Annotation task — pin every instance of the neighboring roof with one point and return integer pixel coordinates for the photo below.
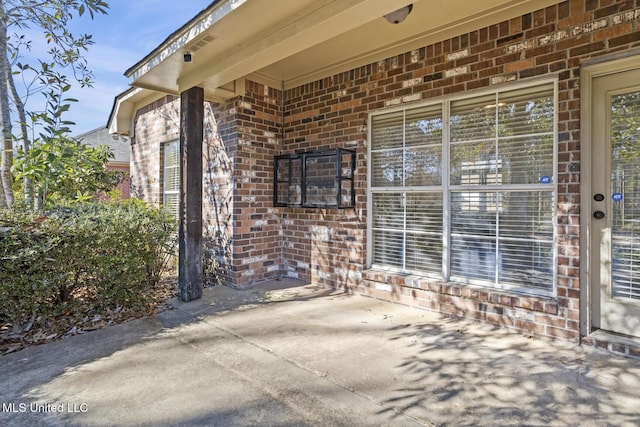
(100, 136)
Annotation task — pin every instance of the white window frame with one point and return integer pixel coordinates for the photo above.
(165, 167)
(448, 189)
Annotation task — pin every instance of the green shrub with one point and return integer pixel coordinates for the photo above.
(104, 254)
(28, 273)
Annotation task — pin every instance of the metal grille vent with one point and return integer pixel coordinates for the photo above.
(201, 42)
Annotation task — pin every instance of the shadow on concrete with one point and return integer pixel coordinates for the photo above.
(283, 353)
(24, 372)
(471, 379)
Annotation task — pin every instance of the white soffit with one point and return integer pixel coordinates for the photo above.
(298, 41)
(429, 22)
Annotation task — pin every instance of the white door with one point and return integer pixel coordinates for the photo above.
(615, 201)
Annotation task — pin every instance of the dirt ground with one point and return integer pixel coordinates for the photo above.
(84, 319)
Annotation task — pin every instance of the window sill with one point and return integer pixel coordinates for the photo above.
(391, 280)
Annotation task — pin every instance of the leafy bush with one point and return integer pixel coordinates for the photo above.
(63, 170)
(105, 254)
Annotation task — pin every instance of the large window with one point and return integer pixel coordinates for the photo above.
(464, 190)
(171, 177)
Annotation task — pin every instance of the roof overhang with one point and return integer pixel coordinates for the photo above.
(125, 106)
(292, 42)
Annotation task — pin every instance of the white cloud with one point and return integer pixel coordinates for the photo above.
(93, 106)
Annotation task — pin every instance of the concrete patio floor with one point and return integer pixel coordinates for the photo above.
(285, 354)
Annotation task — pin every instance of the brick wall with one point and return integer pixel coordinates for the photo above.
(329, 246)
(155, 124)
(158, 123)
(253, 241)
(124, 186)
(217, 186)
(251, 138)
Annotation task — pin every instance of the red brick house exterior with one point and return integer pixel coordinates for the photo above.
(252, 240)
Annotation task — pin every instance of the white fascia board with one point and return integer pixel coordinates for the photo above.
(182, 38)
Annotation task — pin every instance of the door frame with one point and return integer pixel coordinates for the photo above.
(589, 70)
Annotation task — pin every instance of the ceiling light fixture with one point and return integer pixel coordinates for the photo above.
(399, 15)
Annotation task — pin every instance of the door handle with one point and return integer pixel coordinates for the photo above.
(598, 214)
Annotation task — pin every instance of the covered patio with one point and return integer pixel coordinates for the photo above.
(431, 153)
(323, 358)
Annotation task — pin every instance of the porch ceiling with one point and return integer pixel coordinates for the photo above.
(298, 41)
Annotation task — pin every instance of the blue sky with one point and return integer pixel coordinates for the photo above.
(132, 29)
